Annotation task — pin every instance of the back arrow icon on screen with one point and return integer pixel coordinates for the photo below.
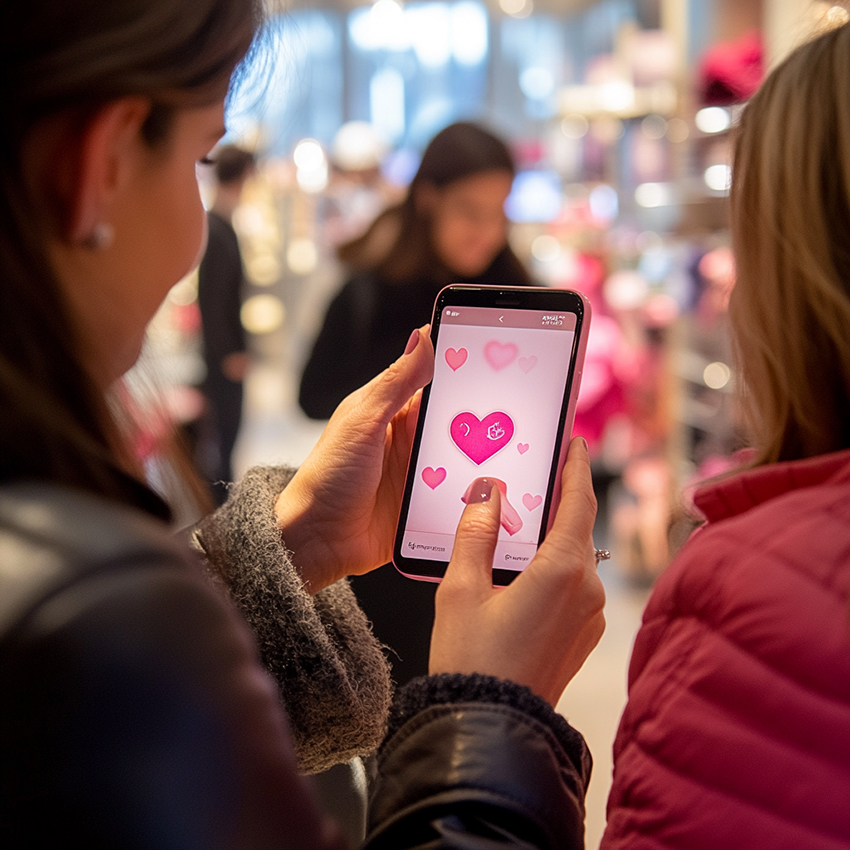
(501, 318)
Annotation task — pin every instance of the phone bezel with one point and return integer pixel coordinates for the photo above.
(510, 297)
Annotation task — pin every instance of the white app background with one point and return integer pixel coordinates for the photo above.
(520, 375)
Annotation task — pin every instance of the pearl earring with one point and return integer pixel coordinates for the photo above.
(101, 237)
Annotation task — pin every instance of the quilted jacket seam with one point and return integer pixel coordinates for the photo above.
(735, 798)
(711, 627)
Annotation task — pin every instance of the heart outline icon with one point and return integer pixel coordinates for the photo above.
(527, 363)
(531, 502)
(480, 439)
(456, 358)
(434, 477)
(499, 355)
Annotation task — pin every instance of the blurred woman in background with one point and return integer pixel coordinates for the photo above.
(450, 228)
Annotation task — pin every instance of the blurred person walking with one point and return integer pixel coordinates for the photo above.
(220, 293)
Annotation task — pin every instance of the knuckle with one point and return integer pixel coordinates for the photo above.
(583, 499)
(477, 527)
(596, 598)
(453, 590)
(392, 374)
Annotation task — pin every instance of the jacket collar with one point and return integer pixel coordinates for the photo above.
(735, 495)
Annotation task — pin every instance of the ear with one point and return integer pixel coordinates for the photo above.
(108, 151)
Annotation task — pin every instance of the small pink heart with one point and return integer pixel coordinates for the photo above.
(456, 358)
(433, 477)
(480, 439)
(522, 448)
(531, 502)
(527, 363)
(499, 355)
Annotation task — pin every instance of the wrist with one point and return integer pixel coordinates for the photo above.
(292, 512)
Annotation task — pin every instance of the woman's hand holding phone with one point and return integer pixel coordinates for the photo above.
(508, 366)
(539, 630)
(338, 514)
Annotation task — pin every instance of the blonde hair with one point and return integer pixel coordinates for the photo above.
(790, 205)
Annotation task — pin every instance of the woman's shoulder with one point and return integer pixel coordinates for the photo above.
(782, 524)
(117, 653)
(53, 537)
(740, 674)
(779, 525)
(764, 589)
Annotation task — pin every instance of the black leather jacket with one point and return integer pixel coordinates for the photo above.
(134, 713)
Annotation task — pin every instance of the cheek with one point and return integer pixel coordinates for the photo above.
(175, 245)
(497, 237)
(489, 229)
(193, 227)
(451, 236)
(476, 243)
(200, 239)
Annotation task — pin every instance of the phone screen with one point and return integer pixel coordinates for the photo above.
(496, 408)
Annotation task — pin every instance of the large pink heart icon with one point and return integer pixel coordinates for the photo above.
(499, 355)
(480, 439)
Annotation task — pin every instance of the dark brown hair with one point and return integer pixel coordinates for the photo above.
(397, 246)
(72, 57)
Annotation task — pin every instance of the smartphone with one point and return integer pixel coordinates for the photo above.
(501, 406)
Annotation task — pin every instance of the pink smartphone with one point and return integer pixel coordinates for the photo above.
(501, 406)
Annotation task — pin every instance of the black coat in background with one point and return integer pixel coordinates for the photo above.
(220, 285)
(367, 327)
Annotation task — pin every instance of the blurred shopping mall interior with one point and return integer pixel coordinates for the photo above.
(620, 115)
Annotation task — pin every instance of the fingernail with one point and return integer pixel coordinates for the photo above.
(480, 491)
(412, 342)
(584, 443)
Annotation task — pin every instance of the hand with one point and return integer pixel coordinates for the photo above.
(539, 630)
(339, 512)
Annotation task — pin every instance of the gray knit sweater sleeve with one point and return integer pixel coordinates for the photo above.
(331, 673)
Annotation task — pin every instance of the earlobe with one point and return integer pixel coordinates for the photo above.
(101, 237)
(107, 154)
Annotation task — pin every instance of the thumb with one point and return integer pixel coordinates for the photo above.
(572, 529)
(388, 392)
(471, 564)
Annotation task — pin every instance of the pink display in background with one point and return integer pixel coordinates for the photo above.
(503, 377)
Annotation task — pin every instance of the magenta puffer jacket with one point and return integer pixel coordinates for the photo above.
(737, 729)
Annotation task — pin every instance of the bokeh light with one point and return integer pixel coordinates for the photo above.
(262, 314)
